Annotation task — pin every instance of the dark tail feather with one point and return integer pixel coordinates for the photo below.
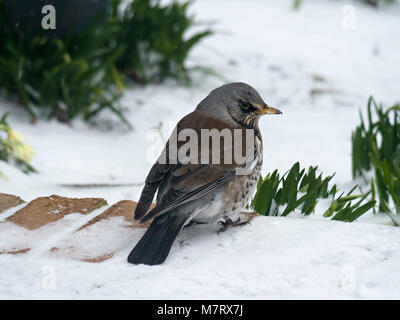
(154, 246)
(145, 200)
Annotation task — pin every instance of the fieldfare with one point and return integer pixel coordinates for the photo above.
(197, 181)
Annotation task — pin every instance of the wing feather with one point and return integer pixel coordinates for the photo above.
(179, 183)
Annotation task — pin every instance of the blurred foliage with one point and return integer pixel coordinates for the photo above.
(12, 148)
(81, 74)
(376, 145)
(60, 78)
(301, 190)
(376, 3)
(297, 4)
(156, 40)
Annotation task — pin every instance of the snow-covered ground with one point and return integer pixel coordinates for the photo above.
(309, 64)
(273, 258)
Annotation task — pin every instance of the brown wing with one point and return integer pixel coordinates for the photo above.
(181, 183)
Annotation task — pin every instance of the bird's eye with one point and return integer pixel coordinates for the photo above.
(246, 105)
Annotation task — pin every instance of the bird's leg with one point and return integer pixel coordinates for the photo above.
(228, 222)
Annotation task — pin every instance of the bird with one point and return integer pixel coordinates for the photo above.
(207, 190)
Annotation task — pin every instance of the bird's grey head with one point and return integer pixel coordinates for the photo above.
(238, 102)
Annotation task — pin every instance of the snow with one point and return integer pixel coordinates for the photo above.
(284, 54)
(272, 258)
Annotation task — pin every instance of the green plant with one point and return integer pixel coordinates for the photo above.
(12, 148)
(61, 78)
(301, 190)
(81, 74)
(376, 145)
(347, 211)
(155, 39)
(297, 4)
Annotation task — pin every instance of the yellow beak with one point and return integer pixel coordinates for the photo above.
(269, 110)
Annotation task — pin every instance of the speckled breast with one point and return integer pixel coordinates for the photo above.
(239, 191)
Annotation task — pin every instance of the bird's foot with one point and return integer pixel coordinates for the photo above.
(230, 223)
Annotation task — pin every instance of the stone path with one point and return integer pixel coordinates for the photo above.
(64, 226)
(84, 229)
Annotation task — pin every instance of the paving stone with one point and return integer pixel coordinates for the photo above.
(87, 243)
(20, 251)
(44, 210)
(123, 208)
(8, 201)
(99, 259)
